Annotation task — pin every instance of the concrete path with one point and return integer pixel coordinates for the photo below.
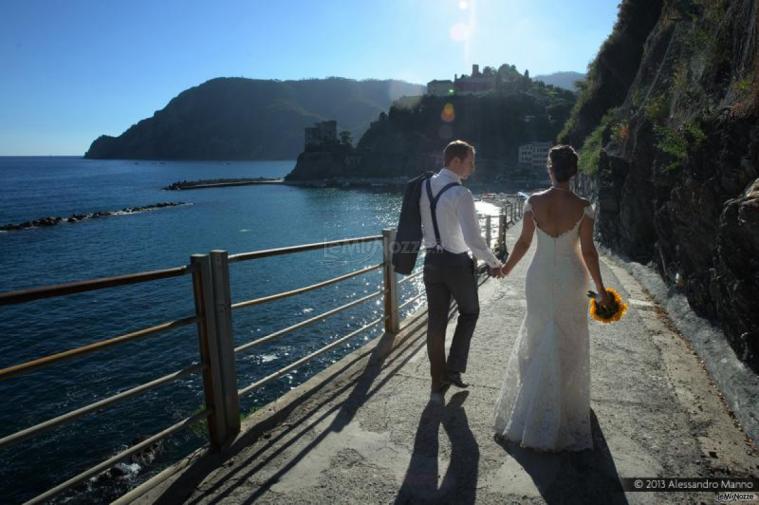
(363, 432)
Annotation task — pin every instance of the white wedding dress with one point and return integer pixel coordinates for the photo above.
(544, 401)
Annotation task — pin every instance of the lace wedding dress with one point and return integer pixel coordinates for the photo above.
(544, 402)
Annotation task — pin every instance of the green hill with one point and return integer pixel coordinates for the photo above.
(410, 137)
(236, 118)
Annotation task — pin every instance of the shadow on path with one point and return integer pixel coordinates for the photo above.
(459, 485)
(362, 387)
(389, 356)
(581, 477)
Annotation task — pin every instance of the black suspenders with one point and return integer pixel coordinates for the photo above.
(433, 207)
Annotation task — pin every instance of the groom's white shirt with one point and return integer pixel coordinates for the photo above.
(456, 219)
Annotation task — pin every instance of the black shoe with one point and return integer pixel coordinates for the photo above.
(455, 379)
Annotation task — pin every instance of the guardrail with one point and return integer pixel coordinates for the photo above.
(213, 318)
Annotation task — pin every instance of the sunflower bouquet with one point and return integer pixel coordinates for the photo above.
(607, 314)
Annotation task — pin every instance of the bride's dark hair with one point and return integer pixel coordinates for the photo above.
(562, 161)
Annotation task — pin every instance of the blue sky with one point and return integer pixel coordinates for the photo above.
(72, 70)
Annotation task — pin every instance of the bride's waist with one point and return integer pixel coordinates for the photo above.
(568, 257)
(569, 261)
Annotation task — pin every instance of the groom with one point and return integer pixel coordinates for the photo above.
(450, 230)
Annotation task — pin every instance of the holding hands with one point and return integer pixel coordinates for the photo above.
(495, 272)
(499, 272)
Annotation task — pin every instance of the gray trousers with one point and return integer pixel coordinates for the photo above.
(442, 283)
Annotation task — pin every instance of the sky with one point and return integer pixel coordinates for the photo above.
(72, 70)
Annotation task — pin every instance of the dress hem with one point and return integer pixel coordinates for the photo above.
(567, 448)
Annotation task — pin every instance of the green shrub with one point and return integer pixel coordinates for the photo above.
(586, 89)
(637, 97)
(743, 85)
(680, 78)
(590, 152)
(672, 143)
(694, 134)
(657, 109)
(713, 10)
(676, 143)
(620, 131)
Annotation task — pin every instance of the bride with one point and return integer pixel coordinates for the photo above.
(544, 402)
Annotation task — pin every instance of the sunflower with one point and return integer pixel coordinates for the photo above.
(609, 314)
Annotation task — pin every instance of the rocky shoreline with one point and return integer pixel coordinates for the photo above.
(75, 218)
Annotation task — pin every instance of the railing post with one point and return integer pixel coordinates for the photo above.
(214, 342)
(392, 320)
(226, 341)
(488, 234)
(502, 230)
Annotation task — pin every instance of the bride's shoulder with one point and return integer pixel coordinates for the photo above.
(584, 202)
(587, 207)
(537, 196)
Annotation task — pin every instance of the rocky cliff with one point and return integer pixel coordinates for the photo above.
(241, 119)
(669, 127)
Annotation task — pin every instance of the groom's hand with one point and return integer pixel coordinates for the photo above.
(495, 272)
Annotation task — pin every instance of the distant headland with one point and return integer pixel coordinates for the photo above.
(250, 119)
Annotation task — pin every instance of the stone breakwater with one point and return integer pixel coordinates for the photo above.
(215, 183)
(75, 218)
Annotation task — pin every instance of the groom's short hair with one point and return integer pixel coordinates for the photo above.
(456, 149)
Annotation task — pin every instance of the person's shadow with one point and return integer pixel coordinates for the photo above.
(459, 485)
(588, 476)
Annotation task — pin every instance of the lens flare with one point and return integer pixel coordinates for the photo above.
(460, 32)
(448, 114)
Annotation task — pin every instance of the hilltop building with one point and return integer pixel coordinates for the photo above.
(324, 132)
(477, 83)
(440, 88)
(534, 154)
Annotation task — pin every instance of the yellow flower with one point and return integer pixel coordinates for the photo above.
(609, 314)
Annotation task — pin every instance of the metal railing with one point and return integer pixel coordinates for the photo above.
(213, 318)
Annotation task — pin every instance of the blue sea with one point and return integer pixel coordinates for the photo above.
(235, 219)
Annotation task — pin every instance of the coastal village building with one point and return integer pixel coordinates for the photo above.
(534, 154)
(324, 132)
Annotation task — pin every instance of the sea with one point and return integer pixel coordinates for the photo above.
(234, 219)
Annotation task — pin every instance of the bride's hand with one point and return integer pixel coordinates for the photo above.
(604, 299)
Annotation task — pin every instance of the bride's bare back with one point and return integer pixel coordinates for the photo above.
(557, 211)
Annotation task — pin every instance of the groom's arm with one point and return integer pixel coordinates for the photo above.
(470, 226)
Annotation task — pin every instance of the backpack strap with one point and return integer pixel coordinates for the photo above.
(433, 208)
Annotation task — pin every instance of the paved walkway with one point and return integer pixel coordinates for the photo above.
(369, 436)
